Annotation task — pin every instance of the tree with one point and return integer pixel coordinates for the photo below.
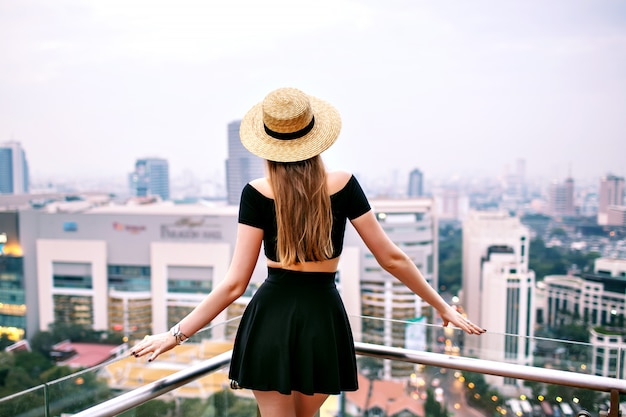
(42, 342)
(545, 260)
(33, 363)
(5, 341)
(432, 407)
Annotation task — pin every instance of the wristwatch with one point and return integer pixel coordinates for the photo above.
(180, 336)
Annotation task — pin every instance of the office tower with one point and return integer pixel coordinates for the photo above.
(561, 198)
(611, 194)
(13, 169)
(498, 287)
(241, 165)
(416, 183)
(150, 178)
(133, 270)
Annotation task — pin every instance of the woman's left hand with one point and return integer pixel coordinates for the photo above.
(155, 344)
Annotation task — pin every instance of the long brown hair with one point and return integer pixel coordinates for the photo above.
(303, 214)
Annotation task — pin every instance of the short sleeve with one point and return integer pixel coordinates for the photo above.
(250, 212)
(356, 201)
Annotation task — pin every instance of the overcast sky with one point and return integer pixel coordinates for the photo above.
(450, 87)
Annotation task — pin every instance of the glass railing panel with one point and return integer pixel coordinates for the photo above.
(506, 393)
(30, 403)
(77, 391)
(540, 351)
(434, 391)
(70, 391)
(209, 395)
(224, 402)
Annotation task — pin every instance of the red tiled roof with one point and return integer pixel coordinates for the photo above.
(389, 396)
(406, 403)
(87, 354)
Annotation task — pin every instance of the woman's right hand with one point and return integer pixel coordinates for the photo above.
(452, 315)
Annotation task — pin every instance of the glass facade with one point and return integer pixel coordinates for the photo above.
(129, 277)
(130, 303)
(130, 315)
(12, 303)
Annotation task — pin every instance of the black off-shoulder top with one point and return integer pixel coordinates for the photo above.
(258, 211)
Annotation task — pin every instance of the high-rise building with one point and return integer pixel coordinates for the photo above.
(498, 287)
(241, 165)
(561, 198)
(514, 187)
(416, 183)
(13, 169)
(151, 177)
(611, 194)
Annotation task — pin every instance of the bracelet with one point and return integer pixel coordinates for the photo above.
(180, 336)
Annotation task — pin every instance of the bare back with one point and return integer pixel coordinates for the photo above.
(336, 180)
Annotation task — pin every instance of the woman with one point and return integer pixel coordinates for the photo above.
(294, 346)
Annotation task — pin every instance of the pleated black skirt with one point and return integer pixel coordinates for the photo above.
(295, 336)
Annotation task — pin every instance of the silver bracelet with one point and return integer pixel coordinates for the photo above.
(180, 336)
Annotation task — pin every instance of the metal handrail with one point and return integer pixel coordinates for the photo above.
(483, 366)
(157, 388)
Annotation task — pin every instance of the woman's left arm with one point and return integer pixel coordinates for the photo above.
(234, 284)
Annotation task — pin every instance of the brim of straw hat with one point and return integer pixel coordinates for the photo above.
(324, 133)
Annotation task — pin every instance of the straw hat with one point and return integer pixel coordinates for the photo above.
(289, 126)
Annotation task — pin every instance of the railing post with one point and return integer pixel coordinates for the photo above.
(46, 395)
(614, 410)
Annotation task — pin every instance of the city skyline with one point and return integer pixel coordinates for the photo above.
(90, 86)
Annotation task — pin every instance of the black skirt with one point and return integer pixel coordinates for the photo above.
(295, 336)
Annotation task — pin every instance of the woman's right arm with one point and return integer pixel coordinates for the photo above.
(393, 260)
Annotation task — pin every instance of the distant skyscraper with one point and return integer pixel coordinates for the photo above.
(611, 194)
(151, 177)
(241, 165)
(498, 286)
(513, 183)
(416, 183)
(561, 198)
(13, 169)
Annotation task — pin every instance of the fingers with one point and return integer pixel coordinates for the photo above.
(472, 328)
(464, 324)
(146, 346)
(154, 345)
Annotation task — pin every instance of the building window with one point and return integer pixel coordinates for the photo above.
(73, 309)
(189, 280)
(72, 275)
(130, 278)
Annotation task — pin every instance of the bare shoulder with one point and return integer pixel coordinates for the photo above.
(337, 180)
(262, 185)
